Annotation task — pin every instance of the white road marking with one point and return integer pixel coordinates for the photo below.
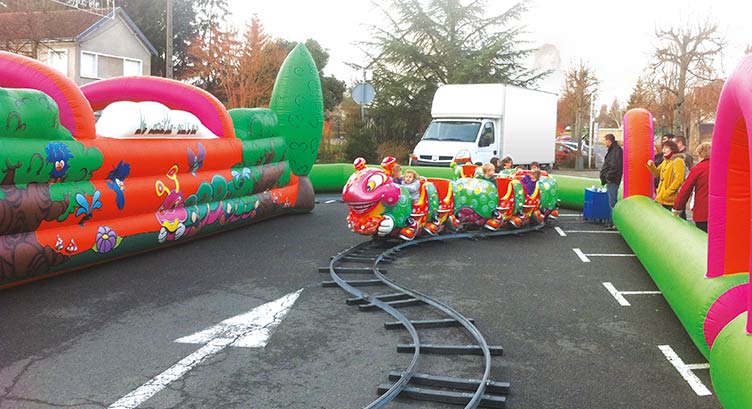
(585, 257)
(593, 231)
(581, 255)
(685, 370)
(560, 231)
(250, 330)
(569, 215)
(619, 295)
(330, 201)
(610, 255)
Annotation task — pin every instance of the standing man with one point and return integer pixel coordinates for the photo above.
(611, 172)
(681, 142)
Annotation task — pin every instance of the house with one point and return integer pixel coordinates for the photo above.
(84, 46)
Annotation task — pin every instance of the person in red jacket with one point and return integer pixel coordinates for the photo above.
(697, 181)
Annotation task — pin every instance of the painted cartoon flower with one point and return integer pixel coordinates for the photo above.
(106, 240)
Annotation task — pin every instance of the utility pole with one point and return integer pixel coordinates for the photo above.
(168, 47)
(363, 98)
(593, 129)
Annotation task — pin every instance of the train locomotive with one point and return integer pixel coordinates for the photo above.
(381, 207)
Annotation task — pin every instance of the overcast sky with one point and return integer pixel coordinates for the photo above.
(614, 38)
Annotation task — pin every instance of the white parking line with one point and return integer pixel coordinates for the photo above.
(685, 370)
(585, 257)
(581, 255)
(619, 295)
(330, 201)
(593, 231)
(560, 231)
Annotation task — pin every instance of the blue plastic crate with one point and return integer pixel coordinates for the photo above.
(596, 208)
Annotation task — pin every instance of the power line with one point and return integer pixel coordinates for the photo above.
(87, 6)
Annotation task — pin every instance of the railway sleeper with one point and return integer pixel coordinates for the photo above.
(396, 304)
(422, 324)
(383, 297)
(350, 270)
(450, 349)
(354, 283)
(448, 382)
(443, 396)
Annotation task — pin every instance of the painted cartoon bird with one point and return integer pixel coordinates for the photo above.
(116, 181)
(59, 155)
(196, 160)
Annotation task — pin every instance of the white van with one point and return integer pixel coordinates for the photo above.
(476, 122)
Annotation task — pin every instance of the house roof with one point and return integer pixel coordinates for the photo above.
(61, 25)
(128, 21)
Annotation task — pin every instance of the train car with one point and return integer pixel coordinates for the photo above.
(165, 162)
(381, 207)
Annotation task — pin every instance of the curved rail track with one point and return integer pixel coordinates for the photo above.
(473, 393)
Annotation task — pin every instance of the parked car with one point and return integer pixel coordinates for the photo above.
(567, 148)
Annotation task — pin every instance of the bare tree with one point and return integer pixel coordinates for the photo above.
(579, 88)
(685, 59)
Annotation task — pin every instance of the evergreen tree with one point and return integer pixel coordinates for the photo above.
(438, 42)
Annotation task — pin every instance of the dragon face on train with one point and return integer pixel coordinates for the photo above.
(368, 193)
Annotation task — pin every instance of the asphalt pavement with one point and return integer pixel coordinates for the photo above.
(88, 338)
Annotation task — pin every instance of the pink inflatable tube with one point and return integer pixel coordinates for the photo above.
(729, 198)
(75, 113)
(174, 94)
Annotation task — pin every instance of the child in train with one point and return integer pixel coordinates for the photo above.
(397, 174)
(412, 184)
(487, 171)
(530, 180)
(507, 167)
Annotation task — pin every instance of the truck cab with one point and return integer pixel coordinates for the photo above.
(445, 139)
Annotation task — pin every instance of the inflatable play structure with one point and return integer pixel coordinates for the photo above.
(704, 277)
(379, 206)
(166, 162)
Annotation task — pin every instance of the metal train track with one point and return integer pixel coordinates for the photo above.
(473, 393)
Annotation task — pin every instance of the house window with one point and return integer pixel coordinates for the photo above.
(88, 65)
(132, 67)
(96, 65)
(108, 67)
(58, 59)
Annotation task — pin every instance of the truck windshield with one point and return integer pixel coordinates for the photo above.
(452, 131)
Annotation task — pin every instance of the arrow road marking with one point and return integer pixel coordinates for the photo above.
(250, 330)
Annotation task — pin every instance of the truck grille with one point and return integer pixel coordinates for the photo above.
(428, 157)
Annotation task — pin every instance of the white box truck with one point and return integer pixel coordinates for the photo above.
(480, 121)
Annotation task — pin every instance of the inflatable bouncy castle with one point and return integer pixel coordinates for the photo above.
(704, 277)
(165, 162)
(381, 207)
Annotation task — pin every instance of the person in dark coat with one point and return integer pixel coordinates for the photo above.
(698, 180)
(611, 172)
(681, 142)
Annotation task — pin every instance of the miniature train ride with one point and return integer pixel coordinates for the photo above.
(379, 206)
(170, 164)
